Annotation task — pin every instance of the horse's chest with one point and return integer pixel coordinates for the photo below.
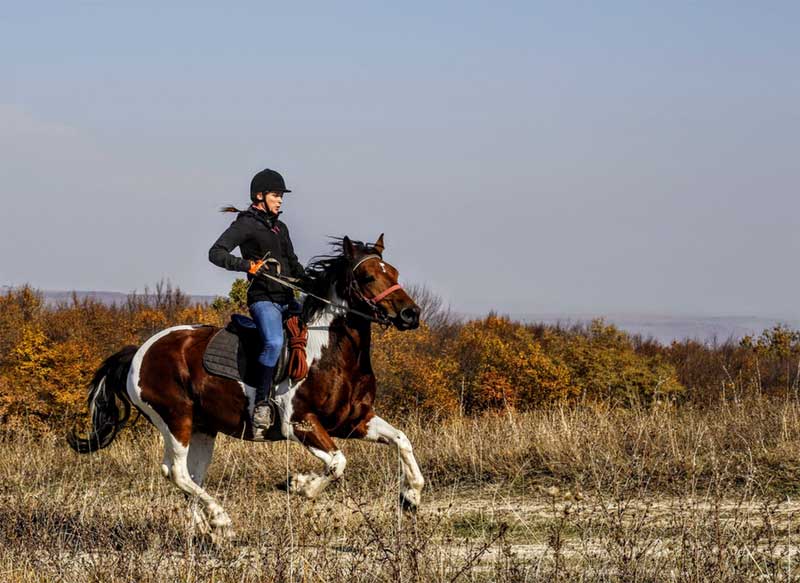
(328, 394)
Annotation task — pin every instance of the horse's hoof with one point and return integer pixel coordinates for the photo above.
(222, 535)
(221, 526)
(409, 500)
(306, 485)
(296, 483)
(199, 521)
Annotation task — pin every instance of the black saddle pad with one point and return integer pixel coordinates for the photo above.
(233, 353)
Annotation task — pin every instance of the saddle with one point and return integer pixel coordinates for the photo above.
(233, 352)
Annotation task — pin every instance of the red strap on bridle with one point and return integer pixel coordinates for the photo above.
(385, 293)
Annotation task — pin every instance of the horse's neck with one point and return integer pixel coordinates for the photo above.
(346, 332)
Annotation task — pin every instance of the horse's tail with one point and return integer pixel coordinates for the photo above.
(108, 385)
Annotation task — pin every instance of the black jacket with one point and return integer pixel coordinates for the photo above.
(255, 232)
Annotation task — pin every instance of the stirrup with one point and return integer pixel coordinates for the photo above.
(262, 416)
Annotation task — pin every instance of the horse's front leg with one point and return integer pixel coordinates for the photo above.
(310, 433)
(381, 431)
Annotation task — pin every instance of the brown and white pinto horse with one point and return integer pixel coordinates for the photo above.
(165, 379)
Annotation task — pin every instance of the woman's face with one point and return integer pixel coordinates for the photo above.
(274, 200)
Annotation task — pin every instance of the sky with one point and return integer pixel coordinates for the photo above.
(531, 157)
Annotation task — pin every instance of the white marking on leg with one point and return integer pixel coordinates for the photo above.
(335, 468)
(311, 485)
(179, 475)
(382, 431)
(201, 449)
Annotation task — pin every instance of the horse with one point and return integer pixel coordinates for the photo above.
(165, 380)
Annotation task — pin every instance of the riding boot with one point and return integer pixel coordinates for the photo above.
(262, 412)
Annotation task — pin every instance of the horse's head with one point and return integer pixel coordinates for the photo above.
(374, 282)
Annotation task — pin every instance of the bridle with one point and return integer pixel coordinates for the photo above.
(372, 302)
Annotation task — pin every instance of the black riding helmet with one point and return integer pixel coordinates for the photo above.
(267, 181)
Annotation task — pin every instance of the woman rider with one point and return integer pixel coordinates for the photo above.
(257, 231)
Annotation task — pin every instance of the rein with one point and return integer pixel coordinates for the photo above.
(372, 302)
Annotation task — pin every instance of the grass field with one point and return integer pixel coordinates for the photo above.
(587, 493)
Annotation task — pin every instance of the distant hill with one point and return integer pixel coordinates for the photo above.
(52, 298)
(665, 328)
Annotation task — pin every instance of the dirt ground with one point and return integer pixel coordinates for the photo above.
(486, 516)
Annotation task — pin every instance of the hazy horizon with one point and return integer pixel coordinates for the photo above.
(520, 315)
(662, 327)
(523, 158)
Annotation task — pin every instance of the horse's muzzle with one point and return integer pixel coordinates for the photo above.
(409, 318)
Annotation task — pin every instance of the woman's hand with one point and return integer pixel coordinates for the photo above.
(255, 267)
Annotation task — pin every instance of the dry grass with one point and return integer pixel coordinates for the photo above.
(590, 494)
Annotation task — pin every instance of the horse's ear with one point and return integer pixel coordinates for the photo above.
(379, 244)
(347, 247)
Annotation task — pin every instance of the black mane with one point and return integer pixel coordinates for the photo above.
(324, 271)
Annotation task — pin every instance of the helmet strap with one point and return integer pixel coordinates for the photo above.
(258, 203)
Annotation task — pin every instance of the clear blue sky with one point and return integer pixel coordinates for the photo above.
(525, 157)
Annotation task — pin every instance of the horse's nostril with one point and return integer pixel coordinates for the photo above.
(409, 315)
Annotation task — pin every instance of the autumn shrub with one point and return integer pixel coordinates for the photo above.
(766, 364)
(23, 392)
(413, 377)
(775, 358)
(235, 302)
(446, 367)
(49, 354)
(605, 365)
(17, 308)
(502, 365)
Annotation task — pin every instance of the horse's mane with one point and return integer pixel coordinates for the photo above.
(324, 271)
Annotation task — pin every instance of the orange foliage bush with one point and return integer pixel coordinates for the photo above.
(605, 364)
(504, 366)
(412, 377)
(48, 355)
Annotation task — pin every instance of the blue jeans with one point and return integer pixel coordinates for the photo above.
(268, 317)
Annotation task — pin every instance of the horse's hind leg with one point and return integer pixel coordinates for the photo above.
(310, 433)
(381, 431)
(160, 387)
(176, 468)
(201, 448)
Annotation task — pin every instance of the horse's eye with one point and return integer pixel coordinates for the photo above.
(366, 279)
